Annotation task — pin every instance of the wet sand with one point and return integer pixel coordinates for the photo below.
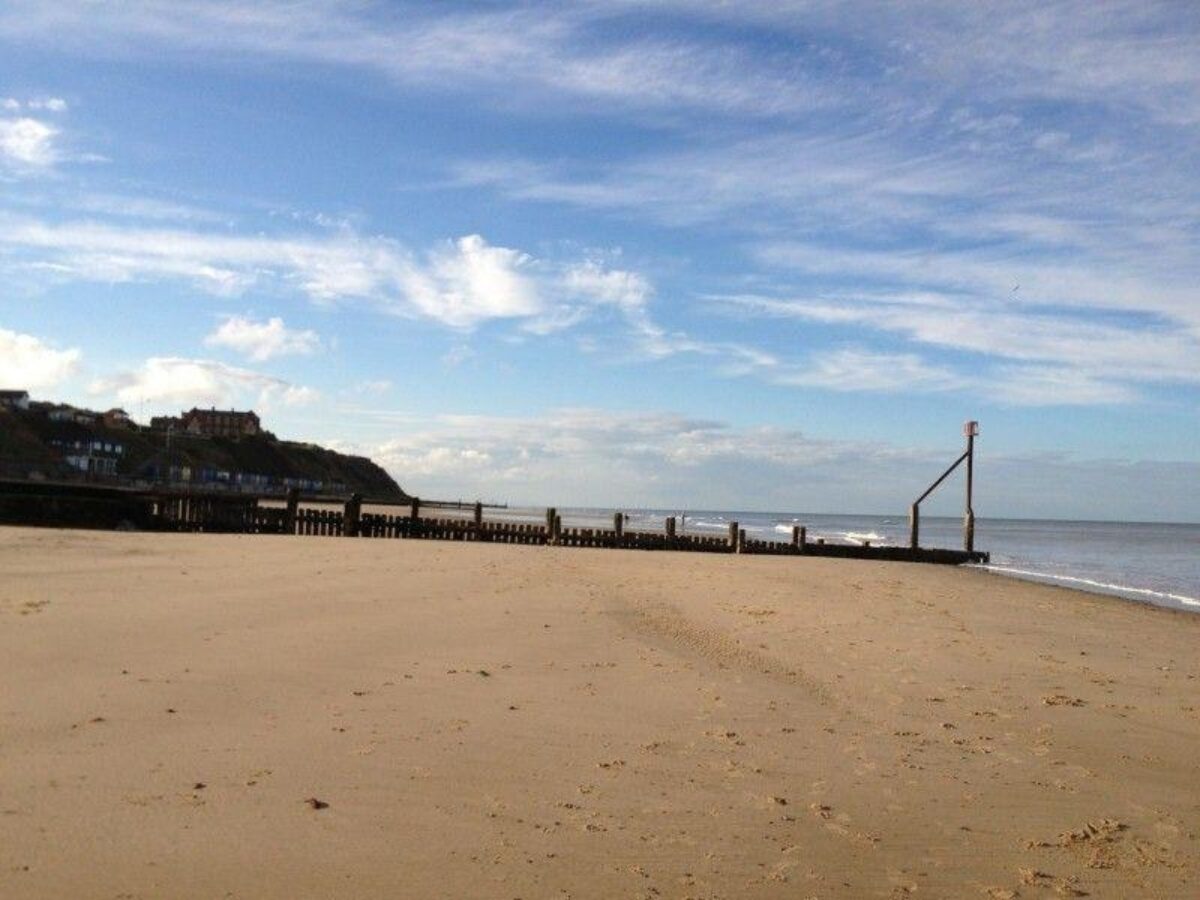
(272, 717)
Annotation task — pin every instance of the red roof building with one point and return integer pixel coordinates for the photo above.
(221, 423)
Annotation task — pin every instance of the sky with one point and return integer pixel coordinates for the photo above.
(685, 254)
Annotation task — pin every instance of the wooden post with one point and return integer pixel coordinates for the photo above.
(415, 512)
(350, 515)
(914, 526)
(803, 537)
(741, 540)
(478, 515)
(796, 536)
(293, 506)
(619, 526)
(556, 532)
(670, 528)
(733, 537)
(551, 512)
(972, 428)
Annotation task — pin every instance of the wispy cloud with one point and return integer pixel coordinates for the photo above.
(464, 283)
(516, 55)
(374, 387)
(1015, 185)
(855, 369)
(1142, 351)
(48, 104)
(1123, 54)
(460, 283)
(260, 341)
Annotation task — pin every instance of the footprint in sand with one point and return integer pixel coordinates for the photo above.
(1064, 887)
(1062, 700)
(33, 606)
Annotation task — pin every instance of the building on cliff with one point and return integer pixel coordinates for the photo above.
(221, 423)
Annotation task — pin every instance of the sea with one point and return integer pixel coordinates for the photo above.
(1145, 562)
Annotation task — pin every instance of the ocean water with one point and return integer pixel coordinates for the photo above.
(1145, 562)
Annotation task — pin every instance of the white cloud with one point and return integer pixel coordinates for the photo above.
(471, 281)
(27, 143)
(260, 341)
(622, 289)
(924, 160)
(582, 290)
(169, 382)
(615, 459)
(293, 395)
(643, 457)
(460, 284)
(27, 362)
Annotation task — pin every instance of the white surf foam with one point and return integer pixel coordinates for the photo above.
(1161, 597)
(861, 537)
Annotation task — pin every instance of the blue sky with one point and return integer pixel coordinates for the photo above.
(677, 253)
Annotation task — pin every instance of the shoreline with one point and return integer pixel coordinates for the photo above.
(1127, 593)
(504, 721)
(774, 528)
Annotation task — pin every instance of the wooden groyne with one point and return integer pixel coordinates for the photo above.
(32, 503)
(351, 521)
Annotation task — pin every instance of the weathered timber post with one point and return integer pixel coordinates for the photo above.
(741, 540)
(619, 526)
(803, 537)
(970, 429)
(351, 515)
(478, 515)
(556, 532)
(733, 537)
(293, 506)
(414, 511)
(551, 512)
(796, 536)
(670, 530)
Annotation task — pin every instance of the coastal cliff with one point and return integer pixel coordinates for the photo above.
(41, 442)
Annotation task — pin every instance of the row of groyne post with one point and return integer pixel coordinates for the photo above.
(417, 523)
(164, 508)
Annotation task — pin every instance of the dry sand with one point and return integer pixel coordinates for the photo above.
(501, 721)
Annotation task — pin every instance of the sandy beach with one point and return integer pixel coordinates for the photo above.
(281, 717)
